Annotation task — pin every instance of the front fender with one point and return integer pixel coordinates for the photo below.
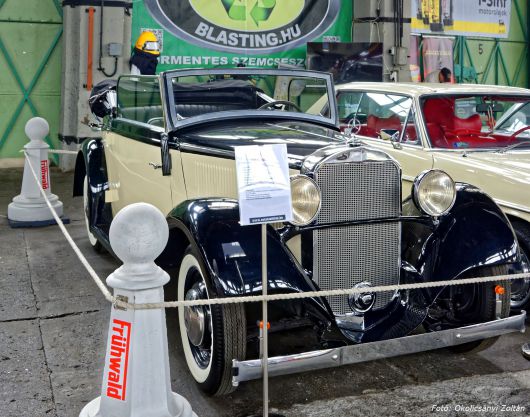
(91, 163)
(474, 233)
(231, 253)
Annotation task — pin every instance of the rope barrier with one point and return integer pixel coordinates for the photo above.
(62, 151)
(106, 293)
(57, 151)
(256, 298)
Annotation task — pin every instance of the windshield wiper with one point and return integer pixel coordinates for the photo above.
(515, 145)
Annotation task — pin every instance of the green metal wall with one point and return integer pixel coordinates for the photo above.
(30, 69)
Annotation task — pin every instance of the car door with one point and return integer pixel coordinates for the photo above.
(208, 172)
(134, 147)
(388, 122)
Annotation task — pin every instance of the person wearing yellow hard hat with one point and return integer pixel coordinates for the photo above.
(144, 58)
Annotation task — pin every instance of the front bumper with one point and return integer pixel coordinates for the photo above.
(364, 352)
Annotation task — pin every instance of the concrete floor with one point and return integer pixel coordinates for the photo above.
(53, 324)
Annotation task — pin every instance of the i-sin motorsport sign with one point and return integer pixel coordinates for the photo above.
(264, 33)
(490, 18)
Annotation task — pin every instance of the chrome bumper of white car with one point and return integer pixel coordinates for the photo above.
(364, 352)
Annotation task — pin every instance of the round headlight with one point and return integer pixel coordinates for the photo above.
(434, 192)
(305, 196)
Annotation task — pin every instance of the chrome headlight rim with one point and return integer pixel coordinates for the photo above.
(416, 189)
(317, 212)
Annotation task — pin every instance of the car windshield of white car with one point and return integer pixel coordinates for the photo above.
(477, 121)
(377, 115)
(257, 93)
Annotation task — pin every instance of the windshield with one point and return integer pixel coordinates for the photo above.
(377, 115)
(477, 121)
(195, 95)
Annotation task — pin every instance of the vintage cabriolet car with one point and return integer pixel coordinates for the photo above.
(170, 142)
(477, 134)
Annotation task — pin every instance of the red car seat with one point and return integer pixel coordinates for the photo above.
(470, 126)
(439, 117)
(375, 124)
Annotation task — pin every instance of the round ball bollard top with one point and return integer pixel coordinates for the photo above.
(138, 234)
(37, 128)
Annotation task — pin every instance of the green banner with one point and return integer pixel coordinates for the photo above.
(227, 33)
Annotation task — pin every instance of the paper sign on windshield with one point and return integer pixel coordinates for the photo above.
(263, 184)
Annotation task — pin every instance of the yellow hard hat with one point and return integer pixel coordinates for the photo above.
(148, 42)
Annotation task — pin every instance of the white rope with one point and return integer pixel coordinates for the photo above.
(58, 151)
(314, 294)
(257, 298)
(108, 296)
(63, 151)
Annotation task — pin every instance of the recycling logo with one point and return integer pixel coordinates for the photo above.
(260, 12)
(249, 26)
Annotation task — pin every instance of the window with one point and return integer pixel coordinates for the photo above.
(377, 115)
(263, 92)
(139, 100)
(348, 104)
(477, 121)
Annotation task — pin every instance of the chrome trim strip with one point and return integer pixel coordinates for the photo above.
(189, 147)
(512, 205)
(364, 352)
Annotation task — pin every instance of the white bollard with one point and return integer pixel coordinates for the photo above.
(29, 207)
(136, 380)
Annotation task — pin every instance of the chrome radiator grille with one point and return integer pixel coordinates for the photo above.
(345, 256)
(358, 191)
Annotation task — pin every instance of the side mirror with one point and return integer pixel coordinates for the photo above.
(392, 135)
(166, 157)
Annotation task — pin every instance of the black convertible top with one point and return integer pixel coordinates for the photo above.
(230, 91)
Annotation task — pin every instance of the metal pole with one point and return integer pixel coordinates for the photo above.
(265, 341)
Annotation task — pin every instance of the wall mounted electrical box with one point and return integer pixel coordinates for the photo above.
(114, 49)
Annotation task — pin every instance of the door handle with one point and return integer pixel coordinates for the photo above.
(155, 166)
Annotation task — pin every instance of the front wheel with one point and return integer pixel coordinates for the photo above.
(94, 242)
(212, 336)
(520, 299)
(475, 303)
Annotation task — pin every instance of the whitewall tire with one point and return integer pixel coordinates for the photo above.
(212, 336)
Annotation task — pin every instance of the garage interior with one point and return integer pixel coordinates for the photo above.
(54, 320)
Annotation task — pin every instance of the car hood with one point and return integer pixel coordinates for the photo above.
(504, 176)
(516, 163)
(302, 139)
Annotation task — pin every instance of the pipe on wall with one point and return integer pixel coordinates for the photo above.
(90, 48)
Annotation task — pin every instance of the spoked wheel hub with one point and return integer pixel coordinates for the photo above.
(196, 317)
(197, 320)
